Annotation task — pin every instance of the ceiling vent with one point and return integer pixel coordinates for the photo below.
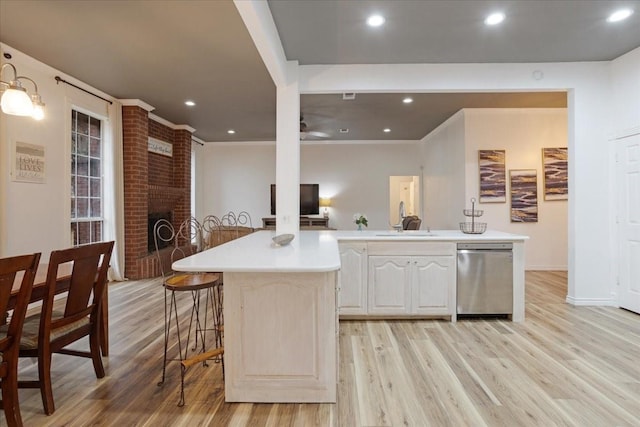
(343, 130)
(348, 96)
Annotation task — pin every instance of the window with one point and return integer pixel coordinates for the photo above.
(86, 179)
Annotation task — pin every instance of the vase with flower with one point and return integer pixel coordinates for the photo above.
(360, 220)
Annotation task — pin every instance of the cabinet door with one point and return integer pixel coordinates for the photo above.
(433, 285)
(389, 285)
(352, 279)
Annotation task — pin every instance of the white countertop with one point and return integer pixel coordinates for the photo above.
(311, 251)
(423, 235)
(308, 252)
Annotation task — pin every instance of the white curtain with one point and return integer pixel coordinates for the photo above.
(114, 191)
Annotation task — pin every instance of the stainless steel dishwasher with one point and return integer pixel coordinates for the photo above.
(485, 278)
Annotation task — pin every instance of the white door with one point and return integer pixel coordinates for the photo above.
(628, 167)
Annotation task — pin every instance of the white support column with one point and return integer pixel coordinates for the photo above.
(288, 153)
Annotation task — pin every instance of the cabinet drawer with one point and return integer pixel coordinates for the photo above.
(403, 248)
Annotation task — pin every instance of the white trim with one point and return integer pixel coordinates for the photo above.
(547, 268)
(184, 127)
(609, 302)
(136, 103)
(196, 139)
(169, 124)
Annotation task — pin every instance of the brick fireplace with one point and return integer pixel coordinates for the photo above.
(153, 184)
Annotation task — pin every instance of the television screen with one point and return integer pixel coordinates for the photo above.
(309, 199)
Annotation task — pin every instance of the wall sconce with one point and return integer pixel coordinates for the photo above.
(325, 202)
(15, 98)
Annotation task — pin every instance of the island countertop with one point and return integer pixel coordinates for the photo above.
(308, 252)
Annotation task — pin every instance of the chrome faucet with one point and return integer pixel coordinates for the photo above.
(402, 214)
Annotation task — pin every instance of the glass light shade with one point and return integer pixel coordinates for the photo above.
(38, 112)
(38, 107)
(15, 101)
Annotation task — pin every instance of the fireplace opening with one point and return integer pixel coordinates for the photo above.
(152, 219)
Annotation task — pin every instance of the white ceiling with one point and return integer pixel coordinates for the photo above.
(165, 52)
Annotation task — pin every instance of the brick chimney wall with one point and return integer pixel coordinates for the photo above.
(152, 183)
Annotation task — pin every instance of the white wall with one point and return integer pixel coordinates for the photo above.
(354, 176)
(522, 133)
(625, 75)
(36, 217)
(235, 178)
(443, 153)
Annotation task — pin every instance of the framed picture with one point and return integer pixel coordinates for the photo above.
(556, 173)
(524, 195)
(28, 163)
(493, 181)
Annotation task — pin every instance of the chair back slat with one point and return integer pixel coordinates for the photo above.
(9, 267)
(10, 340)
(87, 282)
(85, 271)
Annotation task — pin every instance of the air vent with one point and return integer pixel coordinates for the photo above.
(348, 96)
(343, 130)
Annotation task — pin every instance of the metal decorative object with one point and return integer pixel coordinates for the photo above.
(473, 227)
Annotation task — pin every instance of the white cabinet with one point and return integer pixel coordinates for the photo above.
(433, 285)
(412, 279)
(389, 285)
(352, 278)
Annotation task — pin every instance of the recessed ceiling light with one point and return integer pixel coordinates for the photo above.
(620, 15)
(189, 103)
(387, 130)
(375, 20)
(494, 18)
(407, 100)
(231, 131)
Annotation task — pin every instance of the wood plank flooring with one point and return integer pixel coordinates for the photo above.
(564, 366)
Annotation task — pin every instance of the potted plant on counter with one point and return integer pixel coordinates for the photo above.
(360, 220)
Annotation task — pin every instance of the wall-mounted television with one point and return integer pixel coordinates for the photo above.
(309, 199)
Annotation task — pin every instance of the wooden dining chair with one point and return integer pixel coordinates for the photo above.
(79, 315)
(184, 241)
(10, 332)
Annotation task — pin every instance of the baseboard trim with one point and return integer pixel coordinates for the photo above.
(546, 268)
(591, 301)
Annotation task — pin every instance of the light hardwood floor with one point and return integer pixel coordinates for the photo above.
(565, 366)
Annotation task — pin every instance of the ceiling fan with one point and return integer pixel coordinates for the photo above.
(305, 132)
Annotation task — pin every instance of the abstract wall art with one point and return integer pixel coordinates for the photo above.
(524, 195)
(491, 164)
(556, 173)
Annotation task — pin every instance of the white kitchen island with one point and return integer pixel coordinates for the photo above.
(280, 316)
(280, 303)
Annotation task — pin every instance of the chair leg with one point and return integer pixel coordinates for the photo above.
(94, 346)
(10, 401)
(44, 376)
(167, 324)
